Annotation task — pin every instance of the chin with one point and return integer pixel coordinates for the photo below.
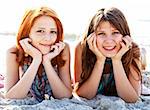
(44, 52)
(110, 55)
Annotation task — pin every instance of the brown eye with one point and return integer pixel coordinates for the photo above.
(117, 32)
(100, 33)
(53, 32)
(40, 31)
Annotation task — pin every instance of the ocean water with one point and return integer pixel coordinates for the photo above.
(7, 41)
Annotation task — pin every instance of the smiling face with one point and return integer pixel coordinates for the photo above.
(43, 33)
(108, 39)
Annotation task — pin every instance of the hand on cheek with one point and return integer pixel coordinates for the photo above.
(56, 49)
(91, 40)
(125, 45)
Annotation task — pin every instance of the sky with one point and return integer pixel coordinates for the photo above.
(74, 14)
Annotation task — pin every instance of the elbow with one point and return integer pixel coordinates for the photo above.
(69, 95)
(9, 95)
(66, 94)
(131, 99)
(86, 95)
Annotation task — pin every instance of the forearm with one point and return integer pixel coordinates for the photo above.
(124, 88)
(21, 88)
(59, 89)
(89, 88)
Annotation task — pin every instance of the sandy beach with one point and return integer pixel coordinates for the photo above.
(76, 103)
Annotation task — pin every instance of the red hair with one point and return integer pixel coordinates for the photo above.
(27, 22)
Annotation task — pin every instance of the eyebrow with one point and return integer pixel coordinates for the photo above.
(44, 28)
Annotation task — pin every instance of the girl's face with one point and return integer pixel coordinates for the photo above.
(43, 33)
(108, 39)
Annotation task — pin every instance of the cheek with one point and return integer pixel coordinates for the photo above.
(54, 38)
(118, 40)
(99, 43)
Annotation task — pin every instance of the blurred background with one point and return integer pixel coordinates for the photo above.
(75, 15)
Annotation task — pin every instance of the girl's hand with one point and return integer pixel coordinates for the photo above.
(55, 50)
(29, 49)
(91, 40)
(126, 44)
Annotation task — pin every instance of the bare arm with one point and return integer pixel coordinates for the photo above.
(77, 63)
(61, 82)
(128, 89)
(12, 83)
(89, 88)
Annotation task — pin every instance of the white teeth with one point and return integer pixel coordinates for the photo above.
(109, 48)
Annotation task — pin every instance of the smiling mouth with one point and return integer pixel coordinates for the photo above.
(47, 45)
(109, 48)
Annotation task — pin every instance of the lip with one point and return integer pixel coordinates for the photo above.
(109, 48)
(45, 44)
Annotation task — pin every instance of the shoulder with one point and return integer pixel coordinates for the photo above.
(78, 47)
(11, 53)
(67, 47)
(11, 56)
(66, 51)
(12, 50)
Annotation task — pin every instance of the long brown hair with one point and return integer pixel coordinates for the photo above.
(116, 18)
(27, 22)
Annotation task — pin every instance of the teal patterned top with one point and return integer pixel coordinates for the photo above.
(107, 84)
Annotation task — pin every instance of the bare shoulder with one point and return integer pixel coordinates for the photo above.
(78, 47)
(12, 50)
(67, 48)
(66, 51)
(11, 53)
(78, 61)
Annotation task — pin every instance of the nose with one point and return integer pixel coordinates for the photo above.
(47, 37)
(109, 39)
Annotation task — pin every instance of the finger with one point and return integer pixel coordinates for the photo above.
(90, 38)
(28, 44)
(90, 41)
(61, 46)
(53, 48)
(127, 43)
(27, 39)
(124, 48)
(94, 43)
(22, 45)
(129, 40)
